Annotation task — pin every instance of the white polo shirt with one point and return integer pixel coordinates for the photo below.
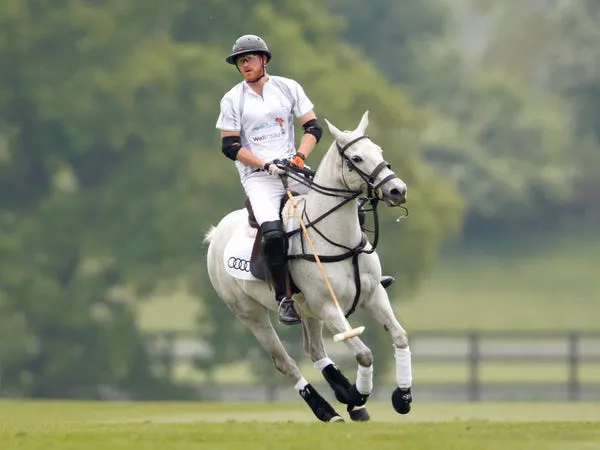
(266, 124)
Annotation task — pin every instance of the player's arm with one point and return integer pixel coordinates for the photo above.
(312, 135)
(232, 148)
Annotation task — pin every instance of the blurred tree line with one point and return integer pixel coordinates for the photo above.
(112, 170)
(512, 89)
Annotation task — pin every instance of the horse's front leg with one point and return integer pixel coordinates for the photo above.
(379, 306)
(337, 323)
(315, 348)
(256, 318)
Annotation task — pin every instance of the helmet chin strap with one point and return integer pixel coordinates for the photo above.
(258, 78)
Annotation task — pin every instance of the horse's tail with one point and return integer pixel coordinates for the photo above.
(209, 234)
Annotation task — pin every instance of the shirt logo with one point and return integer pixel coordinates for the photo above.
(268, 131)
(278, 122)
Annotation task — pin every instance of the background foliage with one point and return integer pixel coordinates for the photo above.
(111, 169)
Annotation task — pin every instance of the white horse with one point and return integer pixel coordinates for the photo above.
(352, 166)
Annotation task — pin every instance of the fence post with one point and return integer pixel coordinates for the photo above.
(271, 391)
(474, 357)
(573, 364)
(169, 354)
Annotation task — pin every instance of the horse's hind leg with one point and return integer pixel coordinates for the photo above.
(313, 345)
(380, 308)
(256, 318)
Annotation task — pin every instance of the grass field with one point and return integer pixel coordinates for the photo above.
(198, 426)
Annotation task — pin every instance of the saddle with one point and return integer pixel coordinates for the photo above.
(243, 256)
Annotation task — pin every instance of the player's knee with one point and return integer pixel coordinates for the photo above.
(274, 242)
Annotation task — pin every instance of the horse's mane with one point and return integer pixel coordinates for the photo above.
(332, 154)
(325, 161)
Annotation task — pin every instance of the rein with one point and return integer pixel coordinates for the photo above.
(372, 188)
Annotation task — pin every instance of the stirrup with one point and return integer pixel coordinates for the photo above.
(287, 312)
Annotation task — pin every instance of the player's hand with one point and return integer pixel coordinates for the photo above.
(274, 169)
(298, 160)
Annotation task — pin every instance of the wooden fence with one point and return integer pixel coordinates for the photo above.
(571, 350)
(576, 353)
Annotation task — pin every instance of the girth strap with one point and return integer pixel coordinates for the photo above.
(353, 253)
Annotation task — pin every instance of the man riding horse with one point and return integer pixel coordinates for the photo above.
(257, 129)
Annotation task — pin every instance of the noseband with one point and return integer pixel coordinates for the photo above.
(368, 178)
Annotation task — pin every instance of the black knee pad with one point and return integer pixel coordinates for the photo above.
(274, 243)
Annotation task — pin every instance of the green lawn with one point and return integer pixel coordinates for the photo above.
(548, 283)
(182, 426)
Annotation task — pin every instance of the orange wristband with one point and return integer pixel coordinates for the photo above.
(298, 161)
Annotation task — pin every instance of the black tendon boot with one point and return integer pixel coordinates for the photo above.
(386, 280)
(274, 248)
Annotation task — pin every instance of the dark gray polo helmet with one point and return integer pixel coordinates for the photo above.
(248, 43)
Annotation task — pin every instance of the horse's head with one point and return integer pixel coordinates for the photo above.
(363, 167)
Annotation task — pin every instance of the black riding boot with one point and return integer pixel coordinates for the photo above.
(287, 312)
(386, 280)
(274, 249)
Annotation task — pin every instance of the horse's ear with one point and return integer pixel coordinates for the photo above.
(364, 123)
(337, 134)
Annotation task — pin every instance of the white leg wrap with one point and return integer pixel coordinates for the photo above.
(364, 379)
(322, 363)
(403, 367)
(301, 384)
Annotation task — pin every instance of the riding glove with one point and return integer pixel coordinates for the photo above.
(273, 169)
(298, 160)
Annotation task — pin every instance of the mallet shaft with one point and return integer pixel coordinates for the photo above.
(350, 332)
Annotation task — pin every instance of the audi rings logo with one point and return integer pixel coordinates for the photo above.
(238, 264)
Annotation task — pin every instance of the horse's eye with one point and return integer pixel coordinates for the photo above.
(356, 159)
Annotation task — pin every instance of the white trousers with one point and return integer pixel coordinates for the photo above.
(265, 192)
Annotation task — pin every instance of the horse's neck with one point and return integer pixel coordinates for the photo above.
(341, 226)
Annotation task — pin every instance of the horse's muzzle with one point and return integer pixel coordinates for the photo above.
(396, 195)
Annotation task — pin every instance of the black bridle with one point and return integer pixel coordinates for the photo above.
(346, 194)
(368, 178)
(373, 196)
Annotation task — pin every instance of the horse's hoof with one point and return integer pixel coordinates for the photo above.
(359, 414)
(336, 419)
(401, 400)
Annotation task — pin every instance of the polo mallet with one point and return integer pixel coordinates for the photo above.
(350, 332)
